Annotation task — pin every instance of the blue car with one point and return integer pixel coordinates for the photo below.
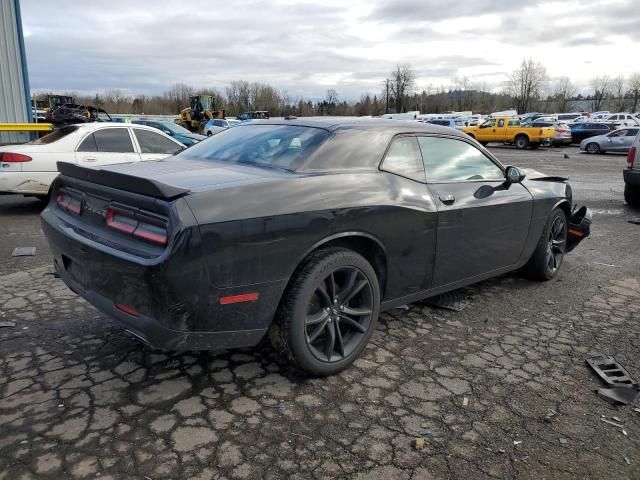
(181, 134)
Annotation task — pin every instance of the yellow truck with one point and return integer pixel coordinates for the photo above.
(509, 130)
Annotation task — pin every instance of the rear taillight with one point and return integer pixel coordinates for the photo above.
(69, 202)
(9, 157)
(140, 226)
(631, 157)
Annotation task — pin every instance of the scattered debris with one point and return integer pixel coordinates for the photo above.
(624, 432)
(549, 416)
(502, 450)
(403, 307)
(300, 435)
(636, 410)
(419, 443)
(517, 442)
(626, 460)
(7, 324)
(431, 366)
(282, 408)
(618, 396)
(563, 441)
(609, 422)
(623, 388)
(426, 433)
(635, 221)
(24, 252)
(465, 401)
(455, 301)
(616, 419)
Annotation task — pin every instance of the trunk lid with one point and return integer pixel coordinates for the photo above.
(171, 177)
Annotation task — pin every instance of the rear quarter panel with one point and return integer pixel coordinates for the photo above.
(262, 233)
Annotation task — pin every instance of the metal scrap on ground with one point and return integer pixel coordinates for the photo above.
(455, 301)
(23, 252)
(623, 389)
(7, 324)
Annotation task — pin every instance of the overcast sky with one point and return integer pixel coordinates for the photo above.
(307, 47)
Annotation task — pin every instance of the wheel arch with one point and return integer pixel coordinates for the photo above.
(365, 244)
(565, 206)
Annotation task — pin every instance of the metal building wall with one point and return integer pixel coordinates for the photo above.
(15, 102)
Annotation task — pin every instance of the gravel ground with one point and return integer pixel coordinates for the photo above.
(499, 390)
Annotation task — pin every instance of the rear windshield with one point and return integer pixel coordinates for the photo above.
(55, 135)
(277, 146)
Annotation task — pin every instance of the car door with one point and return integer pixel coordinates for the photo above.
(155, 145)
(629, 138)
(616, 141)
(482, 224)
(106, 146)
(486, 131)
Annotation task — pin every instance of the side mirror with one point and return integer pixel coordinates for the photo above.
(513, 175)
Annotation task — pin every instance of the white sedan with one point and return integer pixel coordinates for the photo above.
(30, 168)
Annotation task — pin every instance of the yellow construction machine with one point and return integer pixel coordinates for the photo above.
(196, 116)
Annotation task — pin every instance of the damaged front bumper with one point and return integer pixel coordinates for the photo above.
(579, 227)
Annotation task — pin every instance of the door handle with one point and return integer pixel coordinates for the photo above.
(447, 199)
(90, 159)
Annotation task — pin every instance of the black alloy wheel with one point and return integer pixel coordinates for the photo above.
(557, 243)
(328, 312)
(339, 314)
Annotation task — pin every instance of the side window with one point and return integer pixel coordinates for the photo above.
(151, 142)
(501, 123)
(513, 123)
(632, 132)
(403, 158)
(88, 145)
(114, 140)
(218, 123)
(450, 160)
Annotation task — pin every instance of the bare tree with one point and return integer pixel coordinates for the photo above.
(563, 92)
(633, 91)
(525, 84)
(618, 92)
(401, 83)
(601, 87)
(178, 96)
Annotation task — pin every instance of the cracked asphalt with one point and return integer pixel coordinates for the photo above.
(498, 390)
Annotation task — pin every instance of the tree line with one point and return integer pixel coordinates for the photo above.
(527, 88)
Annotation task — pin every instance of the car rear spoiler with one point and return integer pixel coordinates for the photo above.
(122, 181)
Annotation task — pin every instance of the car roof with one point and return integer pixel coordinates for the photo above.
(367, 124)
(93, 126)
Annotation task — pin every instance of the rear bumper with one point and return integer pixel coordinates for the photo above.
(175, 304)
(631, 177)
(26, 183)
(579, 227)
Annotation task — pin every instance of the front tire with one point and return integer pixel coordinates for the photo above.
(328, 313)
(547, 258)
(592, 148)
(632, 195)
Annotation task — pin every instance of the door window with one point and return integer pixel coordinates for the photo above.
(501, 123)
(513, 123)
(632, 132)
(403, 158)
(151, 142)
(88, 145)
(450, 160)
(114, 140)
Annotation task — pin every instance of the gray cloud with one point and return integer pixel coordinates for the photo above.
(303, 48)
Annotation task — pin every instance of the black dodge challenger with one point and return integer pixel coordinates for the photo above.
(305, 229)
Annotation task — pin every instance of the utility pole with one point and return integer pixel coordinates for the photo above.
(386, 110)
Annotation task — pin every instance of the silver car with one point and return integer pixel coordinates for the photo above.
(619, 140)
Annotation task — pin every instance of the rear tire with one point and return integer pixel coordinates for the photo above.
(547, 258)
(592, 148)
(632, 195)
(328, 313)
(521, 142)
